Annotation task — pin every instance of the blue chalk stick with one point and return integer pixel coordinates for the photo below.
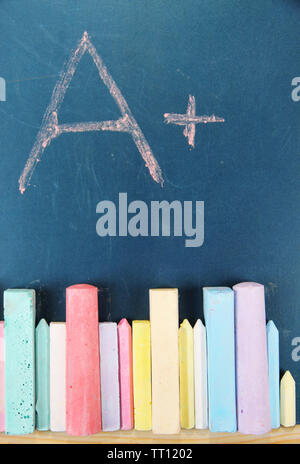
(219, 321)
(274, 376)
(19, 317)
(42, 375)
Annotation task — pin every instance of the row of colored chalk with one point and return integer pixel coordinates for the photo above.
(83, 377)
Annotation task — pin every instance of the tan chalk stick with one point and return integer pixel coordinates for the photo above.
(165, 360)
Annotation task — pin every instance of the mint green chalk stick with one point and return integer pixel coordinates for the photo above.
(19, 317)
(42, 375)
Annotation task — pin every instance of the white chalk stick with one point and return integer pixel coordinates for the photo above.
(58, 376)
(200, 373)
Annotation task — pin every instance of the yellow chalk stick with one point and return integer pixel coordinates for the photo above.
(186, 375)
(141, 374)
(287, 400)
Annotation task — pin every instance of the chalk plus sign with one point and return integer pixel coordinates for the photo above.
(189, 120)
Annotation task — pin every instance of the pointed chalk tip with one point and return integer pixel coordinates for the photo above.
(185, 324)
(271, 326)
(199, 324)
(287, 377)
(42, 323)
(123, 322)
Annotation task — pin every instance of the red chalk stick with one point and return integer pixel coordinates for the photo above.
(83, 360)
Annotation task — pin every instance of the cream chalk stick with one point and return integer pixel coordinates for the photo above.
(287, 400)
(165, 360)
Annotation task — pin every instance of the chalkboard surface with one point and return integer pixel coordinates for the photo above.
(194, 101)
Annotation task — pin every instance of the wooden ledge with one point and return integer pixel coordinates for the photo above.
(279, 436)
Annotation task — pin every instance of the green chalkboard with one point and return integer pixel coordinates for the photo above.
(113, 106)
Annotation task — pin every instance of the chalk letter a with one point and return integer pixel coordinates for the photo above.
(50, 129)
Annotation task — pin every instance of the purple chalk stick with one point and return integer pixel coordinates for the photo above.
(253, 402)
(109, 376)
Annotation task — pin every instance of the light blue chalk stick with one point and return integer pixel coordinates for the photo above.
(274, 377)
(218, 305)
(19, 317)
(42, 375)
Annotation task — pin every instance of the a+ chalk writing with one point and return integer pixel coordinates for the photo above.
(189, 120)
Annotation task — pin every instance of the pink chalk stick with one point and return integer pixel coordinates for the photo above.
(125, 374)
(83, 360)
(253, 402)
(2, 382)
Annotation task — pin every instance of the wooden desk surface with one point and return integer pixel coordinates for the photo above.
(280, 436)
